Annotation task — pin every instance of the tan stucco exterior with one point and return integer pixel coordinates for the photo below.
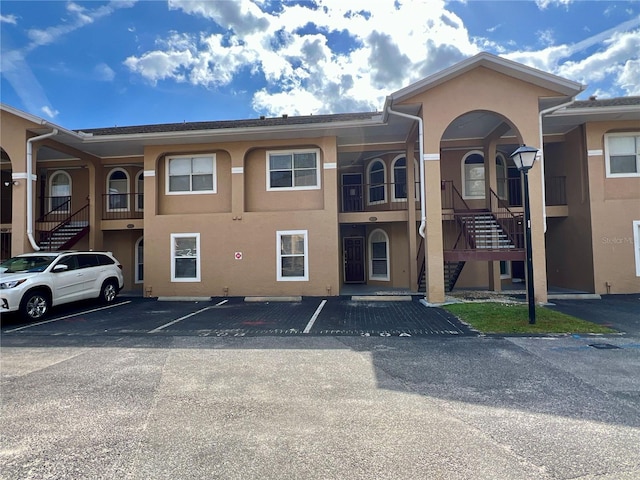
(588, 243)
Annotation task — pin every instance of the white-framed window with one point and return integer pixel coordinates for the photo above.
(292, 255)
(378, 255)
(377, 177)
(293, 170)
(139, 191)
(191, 174)
(636, 244)
(505, 269)
(473, 175)
(60, 192)
(118, 189)
(185, 257)
(501, 176)
(400, 179)
(622, 154)
(139, 254)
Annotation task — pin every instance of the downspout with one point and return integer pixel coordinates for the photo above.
(423, 219)
(30, 141)
(540, 115)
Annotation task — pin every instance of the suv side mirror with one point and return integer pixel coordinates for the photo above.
(60, 268)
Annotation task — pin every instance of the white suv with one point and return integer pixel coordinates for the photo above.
(34, 282)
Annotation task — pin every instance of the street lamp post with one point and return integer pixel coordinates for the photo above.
(524, 157)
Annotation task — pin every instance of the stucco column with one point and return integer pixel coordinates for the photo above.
(19, 240)
(96, 190)
(537, 233)
(434, 258)
(411, 216)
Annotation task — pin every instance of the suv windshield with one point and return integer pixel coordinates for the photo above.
(26, 264)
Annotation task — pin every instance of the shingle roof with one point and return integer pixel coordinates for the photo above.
(606, 102)
(229, 124)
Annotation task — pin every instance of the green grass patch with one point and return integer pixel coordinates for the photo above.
(490, 317)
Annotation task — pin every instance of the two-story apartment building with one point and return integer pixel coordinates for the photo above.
(422, 195)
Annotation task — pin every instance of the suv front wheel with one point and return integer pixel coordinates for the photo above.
(35, 305)
(109, 291)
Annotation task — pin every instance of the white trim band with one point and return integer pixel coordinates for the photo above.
(594, 153)
(330, 166)
(431, 156)
(237, 169)
(149, 173)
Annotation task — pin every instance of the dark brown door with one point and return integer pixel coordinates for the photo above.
(354, 260)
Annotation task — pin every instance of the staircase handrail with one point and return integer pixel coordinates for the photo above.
(503, 211)
(63, 207)
(47, 235)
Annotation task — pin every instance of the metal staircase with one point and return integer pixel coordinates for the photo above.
(484, 231)
(66, 233)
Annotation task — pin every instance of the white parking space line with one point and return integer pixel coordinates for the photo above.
(173, 322)
(307, 329)
(67, 316)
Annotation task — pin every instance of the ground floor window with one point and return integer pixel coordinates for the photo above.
(505, 269)
(185, 257)
(292, 256)
(378, 255)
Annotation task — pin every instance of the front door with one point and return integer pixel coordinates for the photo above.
(353, 260)
(352, 192)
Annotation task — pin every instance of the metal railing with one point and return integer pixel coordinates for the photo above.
(119, 206)
(77, 224)
(555, 189)
(366, 197)
(54, 209)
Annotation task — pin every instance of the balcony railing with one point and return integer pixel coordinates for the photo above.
(376, 197)
(122, 206)
(54, 209)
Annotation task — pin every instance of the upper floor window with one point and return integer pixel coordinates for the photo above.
(191, 174)
(118, 188)
(400, 179)
(60, 192)
(377, 188)
(293, 170)
(622, 154)
(473, 175)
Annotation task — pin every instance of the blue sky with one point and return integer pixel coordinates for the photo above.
(88, 64)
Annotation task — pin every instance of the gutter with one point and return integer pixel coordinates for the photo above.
(423, 219)
(30, 141)
(541, 139)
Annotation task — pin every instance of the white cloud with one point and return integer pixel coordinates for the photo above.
(12, 19)
(49, 112)
(337, 57)
(544, 4)
(628, 78)
(104, 72)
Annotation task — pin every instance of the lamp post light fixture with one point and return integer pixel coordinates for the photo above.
(524, 157)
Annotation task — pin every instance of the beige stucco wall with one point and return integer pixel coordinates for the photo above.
(251, 233)
(480, 89)
(614, 205)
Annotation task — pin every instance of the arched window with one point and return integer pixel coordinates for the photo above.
(60, 192)
(140, 260)
(140, 191)
(400, 179)
(377, 177)
(118, 188)
(378, 255)
(473, 175)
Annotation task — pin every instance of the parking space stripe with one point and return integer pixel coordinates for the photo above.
(67, 316)
(173, 322)
(307, 329)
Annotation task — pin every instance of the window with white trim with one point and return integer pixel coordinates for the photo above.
(60, 192)
(636, 244)
(473, 175)
(185, 257)
(622, 154)
(292, 256)
(293, 170)
(139, 191)
(188, 174)
(377, 176)
(378, 255)
(118, 188)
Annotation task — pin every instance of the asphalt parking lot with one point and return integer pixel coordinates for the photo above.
(236, 317)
